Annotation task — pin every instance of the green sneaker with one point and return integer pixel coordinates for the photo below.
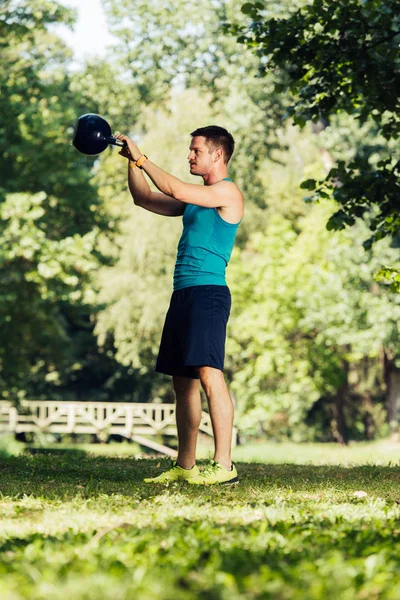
(216, 473)
(175, 473)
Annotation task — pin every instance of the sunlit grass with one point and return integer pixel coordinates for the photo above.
(382, 452)
(86, 527)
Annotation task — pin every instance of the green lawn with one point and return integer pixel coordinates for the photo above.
(377, 453)
(80, 526)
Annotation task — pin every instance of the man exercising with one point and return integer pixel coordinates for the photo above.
(193, 340)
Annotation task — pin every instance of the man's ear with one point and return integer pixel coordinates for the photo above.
(217, 154)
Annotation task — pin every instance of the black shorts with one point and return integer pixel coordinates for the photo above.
(195, 330)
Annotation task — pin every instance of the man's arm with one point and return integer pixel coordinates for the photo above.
(142, 195)
(218, 195)
(223, 194)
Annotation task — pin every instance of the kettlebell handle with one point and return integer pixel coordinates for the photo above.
(112, 140)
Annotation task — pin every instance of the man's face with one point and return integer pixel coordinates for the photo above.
(200, 156)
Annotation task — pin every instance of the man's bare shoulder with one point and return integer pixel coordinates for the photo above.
(228, 186)
(231, 208)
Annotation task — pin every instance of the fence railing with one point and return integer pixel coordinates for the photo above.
(139, 422)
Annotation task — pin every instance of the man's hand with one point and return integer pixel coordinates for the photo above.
(125, 153)
(131, 150)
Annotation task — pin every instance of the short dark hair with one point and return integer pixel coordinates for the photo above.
(217, 137)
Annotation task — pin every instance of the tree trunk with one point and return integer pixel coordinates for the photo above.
(368, 420)
(338, 409)
(392, 380)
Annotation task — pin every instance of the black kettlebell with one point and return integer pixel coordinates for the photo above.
(92, 135)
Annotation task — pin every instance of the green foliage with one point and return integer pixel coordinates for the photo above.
(343, 56)
(9, 446)
(38, 108)
(391, 276)
(51, 211)
(306, 310)
(176, 46)
(91, 528)
(337, 56)
(42, 279)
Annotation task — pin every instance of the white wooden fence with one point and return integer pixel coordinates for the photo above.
(134, 421)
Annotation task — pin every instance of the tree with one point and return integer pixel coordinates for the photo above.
(51, 211)
(340, 56)
(40, 278)
(309, 329)
(38, 109)
(173, 46)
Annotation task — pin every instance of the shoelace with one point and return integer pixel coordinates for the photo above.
(211, 469)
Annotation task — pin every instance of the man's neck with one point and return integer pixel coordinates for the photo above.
(214, 177)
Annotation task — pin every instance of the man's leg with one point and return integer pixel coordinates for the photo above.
(221, 412)
(188, 417)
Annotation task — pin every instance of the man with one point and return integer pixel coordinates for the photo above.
(193, 340)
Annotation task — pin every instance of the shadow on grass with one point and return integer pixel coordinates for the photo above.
(61, 475)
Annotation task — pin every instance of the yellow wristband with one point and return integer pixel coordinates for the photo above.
(141, 160)
(132, 164)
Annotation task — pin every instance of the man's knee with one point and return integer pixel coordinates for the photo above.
(210, 378)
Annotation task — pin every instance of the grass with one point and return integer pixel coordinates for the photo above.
(383, 452)
(84, 527)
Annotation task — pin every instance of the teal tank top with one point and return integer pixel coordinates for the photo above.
(204, 248)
